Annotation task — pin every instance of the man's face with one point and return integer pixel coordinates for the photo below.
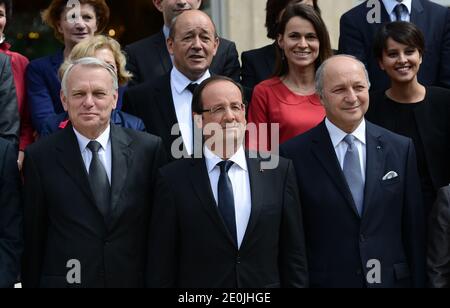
(345, 93)
(224, 119)
(173, 8)
(194, 44)
(90, 99)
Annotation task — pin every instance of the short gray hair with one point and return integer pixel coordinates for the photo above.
(321, 71)
(87, 62)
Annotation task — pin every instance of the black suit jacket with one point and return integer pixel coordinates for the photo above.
(439, 241)
(432, 119)
(149, 59)
(392, 228)
(11, 235)
(9, 117)
(258, 65)
(62, 221)
(190, 246)
(433, 20)
(152, 101)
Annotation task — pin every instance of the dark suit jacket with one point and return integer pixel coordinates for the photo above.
(149, 59)
(433, 20)
(11, 235)
(339, 242)
(439, 241)
(63, 223)
(190, 246)
(432, 119)
(257, 65)
(152, 102)
(9, 117)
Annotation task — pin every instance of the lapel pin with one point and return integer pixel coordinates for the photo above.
(379, 147)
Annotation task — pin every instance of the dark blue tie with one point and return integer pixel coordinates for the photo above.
(191, 87)
(98, 179)
(398, 10)
(226, 198)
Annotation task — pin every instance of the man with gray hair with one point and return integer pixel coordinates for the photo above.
(359, 189)
(88, 191)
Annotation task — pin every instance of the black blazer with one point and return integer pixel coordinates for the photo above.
(152, 102)
(149, 59)
(190, 246)
(9, 116)
(258, 65)
(439, 241)
(63, 223)
(356, 38)
(11, 235)
(392, 228)
(433, 123)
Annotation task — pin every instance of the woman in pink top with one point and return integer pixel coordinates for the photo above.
(289, 99)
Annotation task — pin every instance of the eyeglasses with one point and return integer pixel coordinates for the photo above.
(219, 110)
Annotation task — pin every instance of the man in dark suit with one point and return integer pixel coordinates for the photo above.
(166, 102)
(438, 260)
(224, 219)
(360, 191)
(88, 191)
(359, 25)
(9, 117)
(149, 58)
(11, 242)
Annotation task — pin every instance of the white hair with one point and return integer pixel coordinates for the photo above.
(88, 62)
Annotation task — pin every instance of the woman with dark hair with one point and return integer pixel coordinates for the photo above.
(411, 109)
(259, 64)
(70, 27)
(289, 99)
(18, 65)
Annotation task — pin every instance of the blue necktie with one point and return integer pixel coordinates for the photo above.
(98, 179)
(352, 172)
(398, 10)
(226, 198)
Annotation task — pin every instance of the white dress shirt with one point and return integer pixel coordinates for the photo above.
(390, 5)
(182, 99)
(105, 152)
(240, 181)
(340, 146)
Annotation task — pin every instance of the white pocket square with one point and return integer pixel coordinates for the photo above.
(390, 175)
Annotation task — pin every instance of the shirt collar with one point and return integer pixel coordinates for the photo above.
(390, 5)
(212, 159)
(103, 139)
(166, 31)
(180, 81)
(2, 38)
(337, 135)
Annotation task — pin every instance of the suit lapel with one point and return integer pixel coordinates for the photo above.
(164, 101)
(69, 157)
(122, 155)
(257, 189)
(416, 15)
(200, 181)
(374, 162)
(326, 155)
(161, 47)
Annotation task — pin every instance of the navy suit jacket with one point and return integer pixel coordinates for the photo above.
(391, 230)
(11, 235)
(149, 59)
(356, 38)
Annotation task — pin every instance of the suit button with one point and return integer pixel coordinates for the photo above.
(358, 272)
(238, 260)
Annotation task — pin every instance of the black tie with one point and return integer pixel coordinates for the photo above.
(191, 87)
(226, 198)
(98, 180)
(398, 10)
